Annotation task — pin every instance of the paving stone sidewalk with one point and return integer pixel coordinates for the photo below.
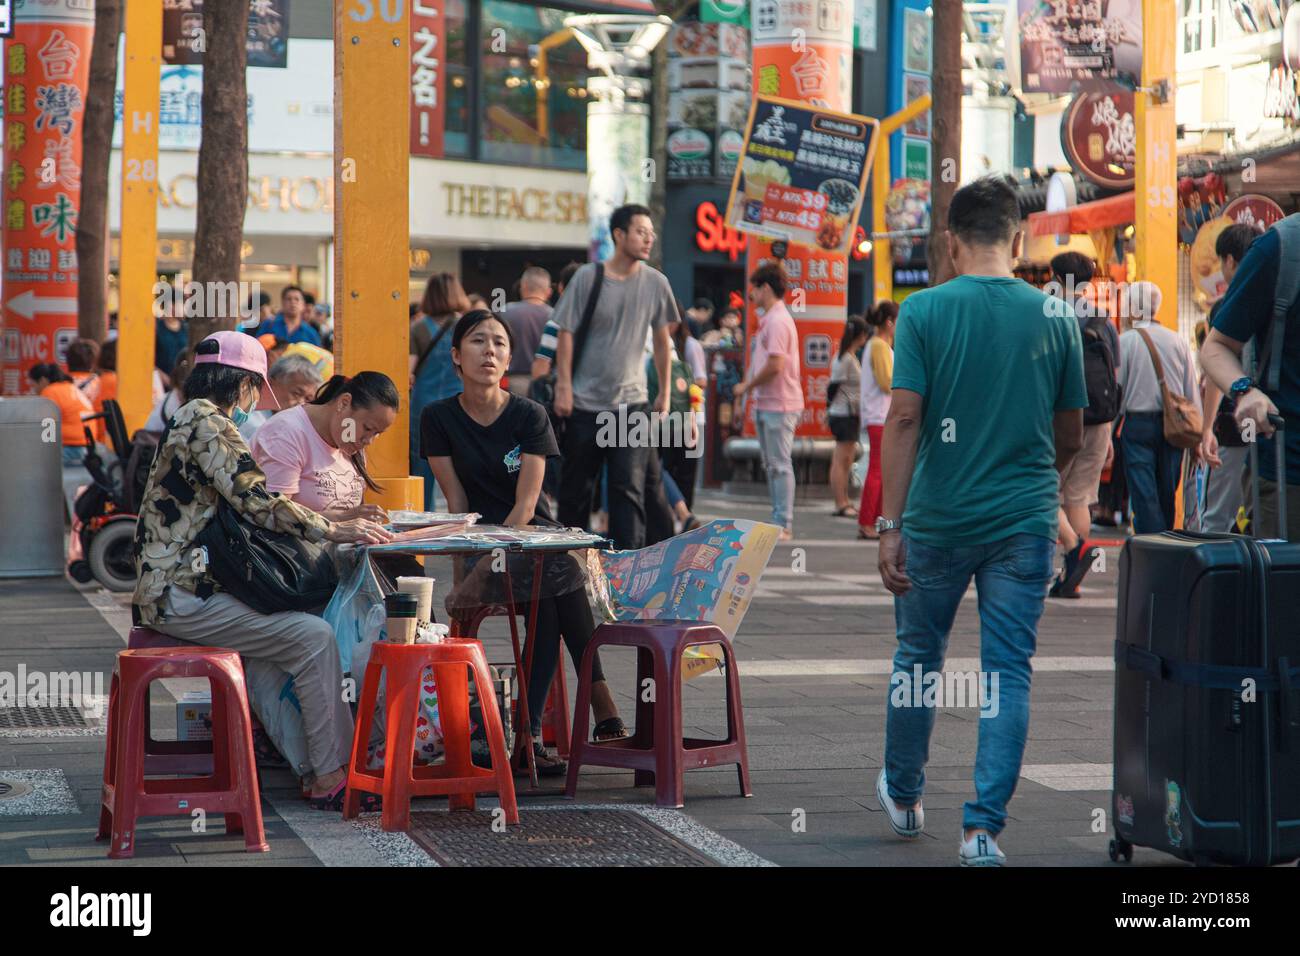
(813, 653)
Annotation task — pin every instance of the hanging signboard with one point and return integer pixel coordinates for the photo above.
(184, 39)
(1083, 43)
(1258, 212)
(428, 78)
(803, 174)
(47, 66)
(1099, 138)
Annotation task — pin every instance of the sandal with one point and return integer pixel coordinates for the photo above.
(691, 523)
(848, 511)
(866, 535)
(333, 801)
(547, 766)
(611, 728)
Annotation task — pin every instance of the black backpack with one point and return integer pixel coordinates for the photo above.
(1099, 376)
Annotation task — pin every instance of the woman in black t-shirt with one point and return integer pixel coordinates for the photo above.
(488, 451)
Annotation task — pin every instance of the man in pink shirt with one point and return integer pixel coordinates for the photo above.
(778, 391)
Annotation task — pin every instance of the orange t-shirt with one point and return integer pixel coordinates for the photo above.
(92, 386)
(72, 403)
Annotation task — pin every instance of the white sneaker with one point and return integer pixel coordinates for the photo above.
(906, 823)
(981, 850)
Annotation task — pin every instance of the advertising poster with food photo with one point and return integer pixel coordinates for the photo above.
(802, 174)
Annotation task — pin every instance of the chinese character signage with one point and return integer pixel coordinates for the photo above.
(185, 41)
(803, 174)
(428, 77)
(47, 63)
(1099, 138)
(1088, 43)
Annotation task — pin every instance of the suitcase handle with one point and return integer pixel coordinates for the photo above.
(1284, 704)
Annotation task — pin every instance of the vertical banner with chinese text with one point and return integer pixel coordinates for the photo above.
(428, 77)
(804, 51)
(47, 65)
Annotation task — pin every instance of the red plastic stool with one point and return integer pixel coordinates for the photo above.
(186, 757)
(231, 789)
(657, 751)
(555, 717)
(458, 777)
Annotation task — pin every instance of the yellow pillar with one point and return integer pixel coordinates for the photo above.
(372, 93)
(138, 266)
(1156, 226)
(881, 259)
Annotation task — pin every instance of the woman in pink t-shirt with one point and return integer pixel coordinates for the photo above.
(315, 453)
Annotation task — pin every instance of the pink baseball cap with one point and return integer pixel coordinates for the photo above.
(240, 350)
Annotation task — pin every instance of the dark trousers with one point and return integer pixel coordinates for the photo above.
(1152, 468)
(626, 475)
(682, 468)
(658, 513)
(565, 616)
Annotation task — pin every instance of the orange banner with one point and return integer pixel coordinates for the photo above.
(47, 63)
(804, 52)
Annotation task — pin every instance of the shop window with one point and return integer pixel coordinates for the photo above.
(532, 96)
(459, 90)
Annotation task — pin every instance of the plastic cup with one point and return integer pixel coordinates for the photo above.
(422, 588)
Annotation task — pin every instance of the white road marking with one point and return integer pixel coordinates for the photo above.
(860, 666)
(1070, 776)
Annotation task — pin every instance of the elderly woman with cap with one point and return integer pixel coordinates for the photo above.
(1152, 466)
(201, 459)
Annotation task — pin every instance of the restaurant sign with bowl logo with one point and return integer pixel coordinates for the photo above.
(802, 174)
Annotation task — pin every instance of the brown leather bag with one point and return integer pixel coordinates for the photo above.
(1182, 415)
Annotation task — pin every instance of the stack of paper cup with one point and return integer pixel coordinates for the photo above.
(422, 588)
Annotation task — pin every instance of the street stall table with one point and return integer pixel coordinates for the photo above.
(506, 546)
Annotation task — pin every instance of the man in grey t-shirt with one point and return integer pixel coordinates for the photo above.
(610, 375)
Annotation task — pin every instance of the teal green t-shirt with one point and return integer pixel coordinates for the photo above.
(994, 359)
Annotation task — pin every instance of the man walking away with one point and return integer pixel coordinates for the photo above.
(1081, 480)
(986, 411)
(1152, 465)
(1222, 447)
(600, 372)
(526, 319)
(1269, 271)
(778, 391)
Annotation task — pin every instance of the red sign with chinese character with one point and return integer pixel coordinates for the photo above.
(428, 77)
(47, 64)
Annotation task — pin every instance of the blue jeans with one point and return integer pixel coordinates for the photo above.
(776, 439)
(1011, 577)
(1152, 469)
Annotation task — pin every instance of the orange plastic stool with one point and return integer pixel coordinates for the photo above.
(658, 752)
(231, 789)
(457, 778)
(555, 717)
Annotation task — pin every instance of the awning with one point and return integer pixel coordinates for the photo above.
(1086, 217)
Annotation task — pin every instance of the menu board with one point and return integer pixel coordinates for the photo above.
(803, 173)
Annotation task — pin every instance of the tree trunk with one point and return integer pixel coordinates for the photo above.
(674, 10)
(96, 147)
(945, 112)
(658, 147)
(223, 160)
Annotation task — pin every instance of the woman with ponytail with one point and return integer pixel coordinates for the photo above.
(315, 453)
(877, 380)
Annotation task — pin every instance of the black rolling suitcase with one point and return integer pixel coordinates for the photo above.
(1207, 698)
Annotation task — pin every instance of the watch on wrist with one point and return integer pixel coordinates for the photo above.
(887, 524)
(1241, 386)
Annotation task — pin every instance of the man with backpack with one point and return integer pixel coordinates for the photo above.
(1081, 479)
(1262, 307)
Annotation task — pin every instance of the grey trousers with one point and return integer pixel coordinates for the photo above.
(1223, 493)
(295, 642)
(1266, 522)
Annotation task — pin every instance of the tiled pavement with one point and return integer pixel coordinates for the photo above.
(813, 656)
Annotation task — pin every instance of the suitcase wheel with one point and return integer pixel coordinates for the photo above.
(1120, 847)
